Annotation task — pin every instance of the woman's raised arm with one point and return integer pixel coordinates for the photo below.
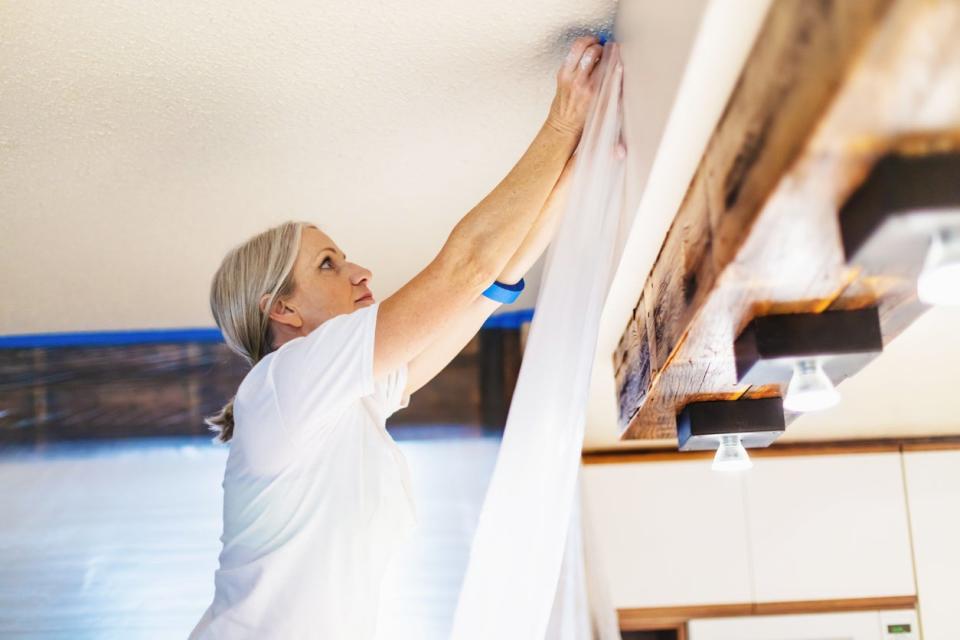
(482, 243)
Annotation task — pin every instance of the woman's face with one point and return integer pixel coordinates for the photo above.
(326, 284)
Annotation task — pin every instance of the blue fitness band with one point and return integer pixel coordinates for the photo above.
(505, 293)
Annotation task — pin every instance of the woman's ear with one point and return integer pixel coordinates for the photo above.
(282, 312)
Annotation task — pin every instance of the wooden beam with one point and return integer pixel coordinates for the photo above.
(829, 88)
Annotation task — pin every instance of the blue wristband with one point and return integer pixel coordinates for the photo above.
(505, 293)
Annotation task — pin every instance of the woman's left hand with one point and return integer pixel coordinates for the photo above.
(577, 84)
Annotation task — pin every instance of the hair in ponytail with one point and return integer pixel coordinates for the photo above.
(262, 265)
(222, 422)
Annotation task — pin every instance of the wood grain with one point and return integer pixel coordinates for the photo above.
(828, 89)
(838, 447)
(670, 617)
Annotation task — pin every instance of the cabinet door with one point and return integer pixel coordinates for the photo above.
(933, 490)
(862, 625)
(669, 533)
(828, 527)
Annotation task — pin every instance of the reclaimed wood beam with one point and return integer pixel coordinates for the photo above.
(830, 87)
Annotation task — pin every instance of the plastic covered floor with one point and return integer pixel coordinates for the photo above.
(120, 539)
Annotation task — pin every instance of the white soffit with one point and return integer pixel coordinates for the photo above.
(910, 390)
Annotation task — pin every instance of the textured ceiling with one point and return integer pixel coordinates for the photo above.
(139, 141)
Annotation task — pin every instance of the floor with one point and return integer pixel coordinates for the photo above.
(120, 539)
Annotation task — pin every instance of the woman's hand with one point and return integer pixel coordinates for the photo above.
(577, 83)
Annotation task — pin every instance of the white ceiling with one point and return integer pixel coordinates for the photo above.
(139, 141)
(910, 389)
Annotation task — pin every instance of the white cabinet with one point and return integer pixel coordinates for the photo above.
(791, 529)
(671, 533)
(827, 527)
(933, 490)
(862, 625)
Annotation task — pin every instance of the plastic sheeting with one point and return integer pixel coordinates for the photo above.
(118, 540)
(515, 562)
(582, 607)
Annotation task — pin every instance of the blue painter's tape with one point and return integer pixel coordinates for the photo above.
(508, 320)
(109, 338)
(505, 293)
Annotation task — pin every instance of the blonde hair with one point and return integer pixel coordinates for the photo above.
(261, 265)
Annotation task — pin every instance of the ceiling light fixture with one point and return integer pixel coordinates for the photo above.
(939, 282)
(807, 354)
(904, 217)
(810, 388)
(731, 455)
(729, 427)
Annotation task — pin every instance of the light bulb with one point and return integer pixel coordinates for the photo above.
(731, 455)
(810, 389)
(939, 282)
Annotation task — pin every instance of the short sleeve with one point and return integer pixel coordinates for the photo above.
(317, 375)
(390, 391)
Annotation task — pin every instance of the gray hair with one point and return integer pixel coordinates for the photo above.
(261, 265)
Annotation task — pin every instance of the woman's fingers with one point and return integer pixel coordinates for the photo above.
(589, 59)
(577, 83)
(579, 45)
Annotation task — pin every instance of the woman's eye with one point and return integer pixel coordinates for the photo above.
(326, 261)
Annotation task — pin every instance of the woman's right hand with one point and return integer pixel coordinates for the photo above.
(577, 83)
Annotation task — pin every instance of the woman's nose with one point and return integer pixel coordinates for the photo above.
(360, 274)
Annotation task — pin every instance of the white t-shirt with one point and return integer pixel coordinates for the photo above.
(316, 493)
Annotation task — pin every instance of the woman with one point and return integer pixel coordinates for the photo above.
(316, 493)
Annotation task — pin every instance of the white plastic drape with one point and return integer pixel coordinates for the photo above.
(515, 561)
(570, 616)
(582, 608)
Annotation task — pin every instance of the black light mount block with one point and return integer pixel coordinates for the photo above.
(701, 425)
(842, 341)
(888, 222)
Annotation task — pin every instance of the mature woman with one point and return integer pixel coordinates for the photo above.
(316, 493)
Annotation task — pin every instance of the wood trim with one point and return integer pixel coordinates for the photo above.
(947, 443)
(654, 618)
(657, 618)
(840, 447)
(834, 606)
